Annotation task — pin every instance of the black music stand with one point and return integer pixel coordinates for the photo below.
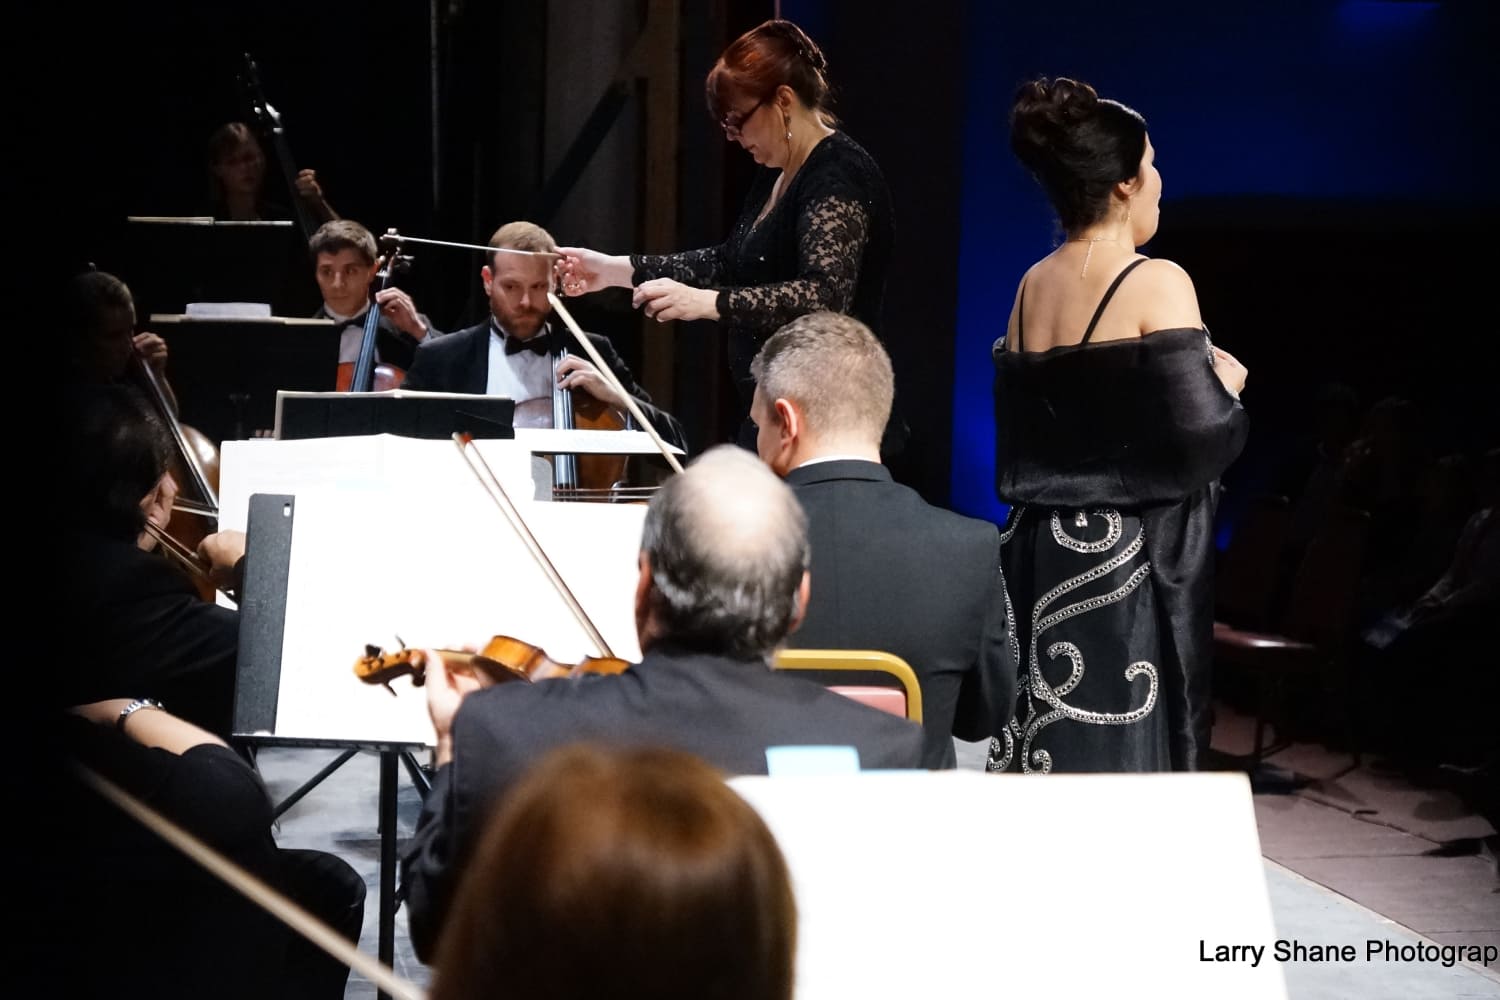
(407, 413)
(268, 554)
(175, 261)
(226, 372)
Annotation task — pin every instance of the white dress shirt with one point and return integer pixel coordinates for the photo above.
(521, 376)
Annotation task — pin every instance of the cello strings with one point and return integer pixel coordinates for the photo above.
(609, 376)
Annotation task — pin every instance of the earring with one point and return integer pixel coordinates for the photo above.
(786, 122)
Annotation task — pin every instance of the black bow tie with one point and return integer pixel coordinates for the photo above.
(539, 344)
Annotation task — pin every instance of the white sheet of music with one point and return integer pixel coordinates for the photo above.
(395, 537)
(961, 884)
(431, 467)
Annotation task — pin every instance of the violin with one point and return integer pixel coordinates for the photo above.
(502, 660)
(505, 658)
(364, 374)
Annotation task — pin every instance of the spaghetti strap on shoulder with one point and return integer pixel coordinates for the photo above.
(1109, 293)
(1021, 319)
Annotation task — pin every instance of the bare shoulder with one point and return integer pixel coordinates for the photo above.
(1013, 322)
(1166, 291)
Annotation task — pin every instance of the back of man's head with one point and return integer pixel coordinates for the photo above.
(343, 234)
(726, 542)
(835, 371)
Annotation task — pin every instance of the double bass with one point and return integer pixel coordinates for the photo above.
(271, 125)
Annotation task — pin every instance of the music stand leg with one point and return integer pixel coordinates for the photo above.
(418, 776)
(388, 775)
(312, 783)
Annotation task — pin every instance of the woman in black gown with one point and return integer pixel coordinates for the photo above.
(1115, 417)
(816, 229)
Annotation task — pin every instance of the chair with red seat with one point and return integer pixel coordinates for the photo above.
(902, 697)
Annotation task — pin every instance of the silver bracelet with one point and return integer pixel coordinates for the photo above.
(136, 706)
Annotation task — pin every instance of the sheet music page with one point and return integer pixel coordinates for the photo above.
(436, 566)
(269, 466)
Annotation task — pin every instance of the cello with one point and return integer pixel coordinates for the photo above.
(575, 477)
(365, 374)
(194, 465)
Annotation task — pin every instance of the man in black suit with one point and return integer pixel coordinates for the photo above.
(344, 258)
(890, 572)
(514, 352)
(722, 582)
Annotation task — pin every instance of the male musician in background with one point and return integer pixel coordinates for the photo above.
(890, 571)
(344, 259)
(99, 336)
(722, 581)
(513, 352)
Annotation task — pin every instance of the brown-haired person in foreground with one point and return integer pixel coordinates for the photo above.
(816, 230)
(1115, 417)
(722, 581)
(635, 873)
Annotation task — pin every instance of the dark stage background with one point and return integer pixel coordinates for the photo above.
(1328, 172)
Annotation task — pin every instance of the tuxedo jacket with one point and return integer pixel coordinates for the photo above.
(894, 573)
(460, 362)
(726, 711)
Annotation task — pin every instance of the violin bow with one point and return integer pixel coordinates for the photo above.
(183, 556)
(493, 487)
(253, 888)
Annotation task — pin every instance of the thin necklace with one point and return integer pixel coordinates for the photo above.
(1090, 240)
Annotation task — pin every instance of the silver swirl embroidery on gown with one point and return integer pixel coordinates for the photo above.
(1035, 686)
(1000, 755)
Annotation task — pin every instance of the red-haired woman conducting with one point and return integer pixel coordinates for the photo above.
(815, 232)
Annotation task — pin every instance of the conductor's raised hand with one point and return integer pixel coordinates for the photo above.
(664, 300)
(154, 349)
(575, 373)
(581, 271)
(401, 310)
(1230, 371)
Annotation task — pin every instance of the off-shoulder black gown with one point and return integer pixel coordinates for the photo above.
(1110, 454)
(826, 244)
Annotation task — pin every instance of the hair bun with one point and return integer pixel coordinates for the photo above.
(1047, 104)
(807, 50)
